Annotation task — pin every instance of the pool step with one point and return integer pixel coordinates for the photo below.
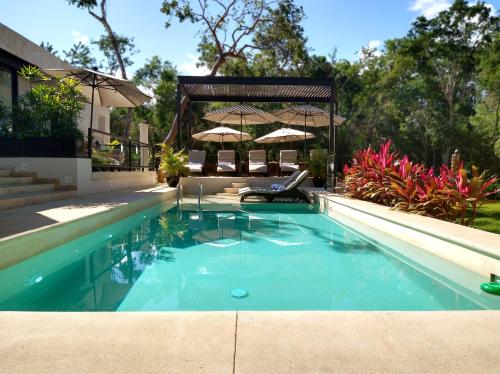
(11, 189)
(4, 173)
(225, 194)
(15, 180)
(235, 187)
(29, 198)
(231, 190)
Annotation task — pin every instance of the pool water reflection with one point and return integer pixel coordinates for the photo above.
(285, 256)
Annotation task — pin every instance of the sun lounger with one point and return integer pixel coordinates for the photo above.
(196, 161)
(226, 162)
(257, 162)
(289, 190)
(284, 184)
(288, 161)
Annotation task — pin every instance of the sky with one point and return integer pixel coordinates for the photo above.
(344, 25)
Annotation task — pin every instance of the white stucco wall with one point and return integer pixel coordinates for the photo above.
(25, 49)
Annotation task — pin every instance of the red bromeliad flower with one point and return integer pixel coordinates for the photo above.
(384, 178)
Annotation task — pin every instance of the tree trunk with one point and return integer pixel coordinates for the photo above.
(173, 130)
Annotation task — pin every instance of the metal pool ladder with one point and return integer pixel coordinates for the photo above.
(200, 195)
(180, 197)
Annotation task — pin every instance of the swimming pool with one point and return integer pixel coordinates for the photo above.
(230, 257)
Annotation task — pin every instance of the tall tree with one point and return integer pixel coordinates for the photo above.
(114, 41)
(49, 48)
(81, 56)
(226, 30)
(446, 51)
(113, 46)
(281, 39)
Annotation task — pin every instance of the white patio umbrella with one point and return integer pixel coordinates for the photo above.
(240, 115)
(285, 135)
(307, 116)
(221, 135)
(103, 89)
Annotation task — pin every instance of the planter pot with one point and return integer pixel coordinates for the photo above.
(161, 176)
(173, 181)
(319, 182)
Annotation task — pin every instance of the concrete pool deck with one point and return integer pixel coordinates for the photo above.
(251, 342)
(34, 217)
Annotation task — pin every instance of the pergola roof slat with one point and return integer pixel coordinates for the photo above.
(258, 89)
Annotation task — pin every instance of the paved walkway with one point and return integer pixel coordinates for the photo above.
(251, 342)
(19, 220)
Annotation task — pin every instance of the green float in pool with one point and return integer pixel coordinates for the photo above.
(491, 287)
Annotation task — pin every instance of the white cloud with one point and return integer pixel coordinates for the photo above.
(429, 8)
(189, 67)
(78, 37)
(374, 44)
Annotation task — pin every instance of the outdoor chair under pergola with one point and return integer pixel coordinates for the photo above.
(297, 90)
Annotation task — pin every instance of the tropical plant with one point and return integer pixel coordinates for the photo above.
(5, 120)
(173, 163)
(385, 178)
(48, 109)
(317, 166)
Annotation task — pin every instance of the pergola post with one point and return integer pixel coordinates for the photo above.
(190, 125)
(178, 117)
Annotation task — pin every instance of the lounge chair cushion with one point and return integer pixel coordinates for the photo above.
(195, 167)
(288, 160)
(257, 167)
(226, 167)
(257, 161)
(226, 161)
(289, 167)
(196, 161)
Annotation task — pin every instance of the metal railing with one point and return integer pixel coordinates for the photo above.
(111, 152)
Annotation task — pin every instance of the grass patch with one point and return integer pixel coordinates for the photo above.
(488, 217)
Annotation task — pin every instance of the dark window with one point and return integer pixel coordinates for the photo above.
(6, 87)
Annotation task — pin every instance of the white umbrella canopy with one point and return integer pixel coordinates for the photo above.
(222, 135)
(240, 115)
(103, 89)
(285, 135)
(307, 115)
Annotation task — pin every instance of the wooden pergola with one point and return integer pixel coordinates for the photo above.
(257, 90)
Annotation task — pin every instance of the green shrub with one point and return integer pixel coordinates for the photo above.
(51, 108)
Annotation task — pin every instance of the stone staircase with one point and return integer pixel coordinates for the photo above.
(17, 190)
(233, 190)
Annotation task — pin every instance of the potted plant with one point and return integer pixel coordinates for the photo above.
(174, 165)
(317, 167)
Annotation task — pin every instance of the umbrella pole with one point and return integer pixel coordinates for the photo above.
(91, 117)
(305, 133)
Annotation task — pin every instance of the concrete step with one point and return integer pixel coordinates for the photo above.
(225, 194)
(231, 190)
(4, 173)
(239, 184)
(10, 189)
(15, 180)
(31, 198)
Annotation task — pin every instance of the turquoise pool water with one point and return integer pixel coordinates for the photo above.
(253, 257)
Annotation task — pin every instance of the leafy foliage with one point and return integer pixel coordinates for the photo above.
(317, 163)
(126, 49)
(385, 178)
(81, 56)
(49, 48)
(50, 108)
(173, 163)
